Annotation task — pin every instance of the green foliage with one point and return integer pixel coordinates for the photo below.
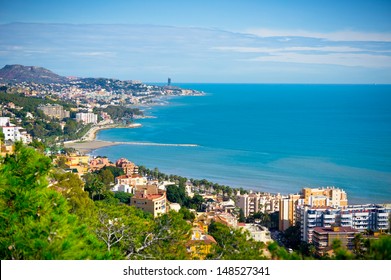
(71, 187)
(35, 222)
(177, 195)
(94, 186)
(38, 145)
(106, 177)
(187, 214)
(195, 202)
(116, 171)
(292, 237)
(279, 253)
(133, 234)
(121, 112)
(233, 244)
(242, 218)
(123, 197)
(379, 249)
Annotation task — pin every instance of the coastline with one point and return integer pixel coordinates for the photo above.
(88, 142)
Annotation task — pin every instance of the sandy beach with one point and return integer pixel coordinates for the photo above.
(88, 142)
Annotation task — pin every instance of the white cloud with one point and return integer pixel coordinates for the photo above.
(94, 53)
(288, 49)
(344, 59)
(344, 35)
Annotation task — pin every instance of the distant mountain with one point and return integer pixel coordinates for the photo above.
(19, 73)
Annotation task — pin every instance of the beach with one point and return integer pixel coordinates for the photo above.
(88, 142)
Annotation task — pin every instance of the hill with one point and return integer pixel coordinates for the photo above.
(18, 73)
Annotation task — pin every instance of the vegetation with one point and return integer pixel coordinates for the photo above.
(233, 244)
(64, 222)
(121, 113)
(35, 222)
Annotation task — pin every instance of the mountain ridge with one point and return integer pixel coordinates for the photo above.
(19, 73)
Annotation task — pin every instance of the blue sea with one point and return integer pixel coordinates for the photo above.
(271, 137)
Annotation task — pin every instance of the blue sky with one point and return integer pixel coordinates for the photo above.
(202, 41)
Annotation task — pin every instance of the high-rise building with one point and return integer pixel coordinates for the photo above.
(359, 217)
(87, 118)
(169, 81)
(257, 202)
(317, 197)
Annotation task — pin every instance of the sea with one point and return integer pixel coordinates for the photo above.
(275, 138)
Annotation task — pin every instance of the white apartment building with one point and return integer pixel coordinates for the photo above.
(369, 216)
(13, 133)
(360, 217)
(123, 188)
(87, 118)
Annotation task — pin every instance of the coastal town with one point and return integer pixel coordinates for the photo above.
(312, 217)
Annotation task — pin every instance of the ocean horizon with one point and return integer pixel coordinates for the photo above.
(274, 138)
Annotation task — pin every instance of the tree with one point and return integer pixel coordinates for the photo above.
(233, 244)
(116, 171)
(195, 202)
(123, 197)
(187, 214)
(35, 222)
(61, 162)
(106, 177)
(71, 187)
(242, 218)
(132, 234)
(292, 237)
(94, 186)
(379, 249)
(177, 195)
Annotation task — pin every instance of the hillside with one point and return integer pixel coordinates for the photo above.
(19, 73)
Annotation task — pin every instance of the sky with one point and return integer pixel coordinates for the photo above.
(244, 41)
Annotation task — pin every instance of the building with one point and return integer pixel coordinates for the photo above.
(257, 202)
(257, 232)
(323, 238)
(359, 217)
(312, 217)
(317, 197)
(200, 244)
(287, 213)
(87, 118)
(366, 217)
(225, 218)
(127, 166)
(54, 111)
(75, 163)
(4, 121)
(6, 148)
(98, 163)
(131, 180)
(13, 133)
(122, 188)
(150, 199)
(329, 196)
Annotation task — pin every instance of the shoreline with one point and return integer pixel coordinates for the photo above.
(89, 143)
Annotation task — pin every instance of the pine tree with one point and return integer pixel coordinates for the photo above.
(35, 222)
